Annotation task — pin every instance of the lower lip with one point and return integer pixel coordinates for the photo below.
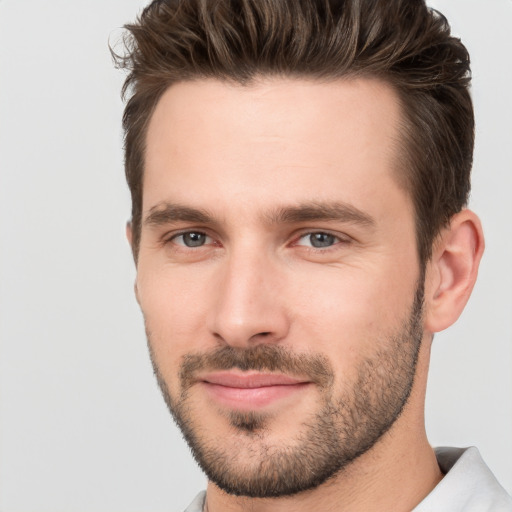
(251, 398)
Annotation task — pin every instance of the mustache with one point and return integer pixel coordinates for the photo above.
(270, 358)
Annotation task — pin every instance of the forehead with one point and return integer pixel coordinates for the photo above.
(272, 140)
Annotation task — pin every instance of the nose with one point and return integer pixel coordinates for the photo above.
(249, 304)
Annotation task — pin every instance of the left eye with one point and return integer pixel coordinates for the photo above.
(191, 239)
(318, 240)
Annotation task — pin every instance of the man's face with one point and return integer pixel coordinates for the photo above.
(278, 275)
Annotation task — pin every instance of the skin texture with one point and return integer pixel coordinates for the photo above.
(249, 174)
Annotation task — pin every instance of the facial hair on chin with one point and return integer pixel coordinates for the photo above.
(348, 422)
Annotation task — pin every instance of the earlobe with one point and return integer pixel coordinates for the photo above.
(452, 270)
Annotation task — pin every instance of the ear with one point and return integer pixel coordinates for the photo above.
(129, 233)
(452, 270)
(129, 237)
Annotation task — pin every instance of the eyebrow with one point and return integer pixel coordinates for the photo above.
(320, 211)
(167, 213)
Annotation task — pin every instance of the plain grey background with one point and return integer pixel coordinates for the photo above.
(82, 424)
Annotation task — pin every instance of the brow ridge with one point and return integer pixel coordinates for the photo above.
(167, 213)
(320, 211)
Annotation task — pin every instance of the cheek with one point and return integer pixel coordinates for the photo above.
(348, 311)
(173, 314)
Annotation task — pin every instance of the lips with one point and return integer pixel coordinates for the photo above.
(252, 390)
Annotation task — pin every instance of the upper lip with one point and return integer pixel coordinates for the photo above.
(249, 380)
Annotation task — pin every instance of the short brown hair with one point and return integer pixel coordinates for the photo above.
(401, 42)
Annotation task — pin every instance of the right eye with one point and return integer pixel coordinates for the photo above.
(191, 239)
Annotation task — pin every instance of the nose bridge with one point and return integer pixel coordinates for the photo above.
(247, 307)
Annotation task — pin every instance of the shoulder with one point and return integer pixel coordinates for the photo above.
(198, 503)
(468, 485)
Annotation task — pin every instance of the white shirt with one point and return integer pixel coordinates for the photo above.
(468, 486)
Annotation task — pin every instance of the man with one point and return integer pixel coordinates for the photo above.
(299, 173)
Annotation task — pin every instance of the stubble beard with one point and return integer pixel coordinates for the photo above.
(348, 423)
